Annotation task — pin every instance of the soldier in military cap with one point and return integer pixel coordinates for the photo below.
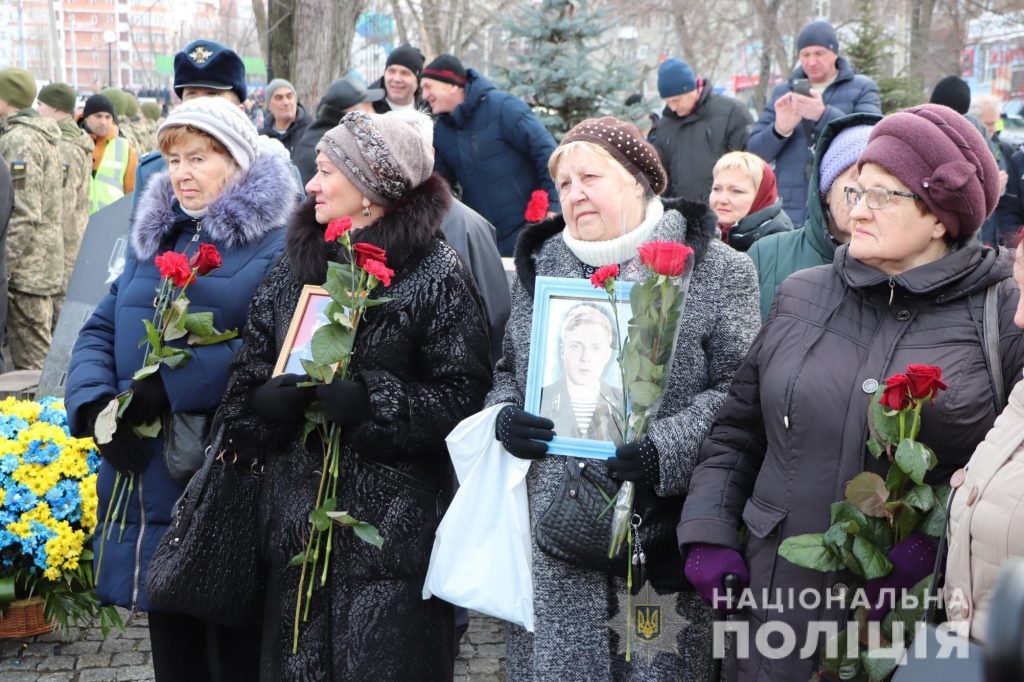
(57, 102)
(204, 68)
(35, 245)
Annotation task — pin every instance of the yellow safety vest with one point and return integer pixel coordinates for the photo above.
(107, 184)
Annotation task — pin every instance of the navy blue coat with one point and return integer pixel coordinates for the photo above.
(496, 149)
(791, 155)
(245, 223)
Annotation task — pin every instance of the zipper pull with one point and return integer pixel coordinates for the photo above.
(199, 230)
(892, 289)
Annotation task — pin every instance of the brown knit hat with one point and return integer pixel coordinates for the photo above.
(942, 158)
(626, 145)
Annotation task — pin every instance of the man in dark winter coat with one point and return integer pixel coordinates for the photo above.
(697, 127)
(286, 119)
(401, 80)
(822, 88)
(488, 143)
(342, 96)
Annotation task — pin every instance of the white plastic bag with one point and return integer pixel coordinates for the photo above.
(482, 558)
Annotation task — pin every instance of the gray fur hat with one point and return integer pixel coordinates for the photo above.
(383, 157)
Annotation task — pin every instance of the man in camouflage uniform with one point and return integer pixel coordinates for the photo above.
(57, 102)
(35, 244)
(151, 121)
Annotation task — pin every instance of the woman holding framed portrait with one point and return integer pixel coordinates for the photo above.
(609, 180)
(421, 364)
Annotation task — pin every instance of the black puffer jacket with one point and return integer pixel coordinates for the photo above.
(792, 431)
(424, 357)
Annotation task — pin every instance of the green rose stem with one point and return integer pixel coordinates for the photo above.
(106, 524)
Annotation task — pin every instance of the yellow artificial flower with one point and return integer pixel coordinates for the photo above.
(11, 447)
(25, 409)
(63, 550)
(73, 462)
(39, 478)
(90, 503)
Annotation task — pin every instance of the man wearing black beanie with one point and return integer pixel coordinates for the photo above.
(401, 80)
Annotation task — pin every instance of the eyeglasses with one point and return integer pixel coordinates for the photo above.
(877, 197)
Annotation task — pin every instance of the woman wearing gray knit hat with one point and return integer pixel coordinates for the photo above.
(422, 364)
(216, 191)
(609, 181)
(913, 286)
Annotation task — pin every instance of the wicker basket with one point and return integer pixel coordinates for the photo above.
(24, 618)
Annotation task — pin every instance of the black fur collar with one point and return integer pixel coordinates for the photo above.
(404, 230)
(701, 224)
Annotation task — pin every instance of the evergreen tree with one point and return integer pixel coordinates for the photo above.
(556, 71)
(869, 53)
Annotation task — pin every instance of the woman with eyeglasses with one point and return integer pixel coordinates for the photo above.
(909, 288)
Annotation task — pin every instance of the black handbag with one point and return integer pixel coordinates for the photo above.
(576, 529)
(184, 444)
(207, 564)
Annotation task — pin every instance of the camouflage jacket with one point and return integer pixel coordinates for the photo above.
(75, 147)
(35, 241)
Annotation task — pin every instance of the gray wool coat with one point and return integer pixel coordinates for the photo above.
(572, 640)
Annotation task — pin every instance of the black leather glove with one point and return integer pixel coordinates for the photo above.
(636, 462)
(280, 400)
(521, 432)
(149, 400)
(126, 452)
(344, 402)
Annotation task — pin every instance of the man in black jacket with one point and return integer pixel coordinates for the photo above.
(696, 128)
(401, 80)
(287, 120)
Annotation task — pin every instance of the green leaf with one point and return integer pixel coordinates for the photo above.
(152, 335)
(630, 364)
(883, 427)
(836, 536)
(872, 560)
(146, 371)
(905, 521)
(920, 497)
(200, 324)
(844, 511)
(875, 448)
(172, 318)
(330, 504)
(809, 551)
(177, 359)
(915, 459)
(320, 519)
(298, 559)
(934, 524)
(879, 533)
(106, 422)
(648, 370)
(643, 394)
(331, 343)
(895, 480)
(364, 531)
(374, 302)
(150, 430)
(879, 665)
(867, 492)
(219, 337)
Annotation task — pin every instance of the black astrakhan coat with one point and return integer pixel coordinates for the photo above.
(424, 357)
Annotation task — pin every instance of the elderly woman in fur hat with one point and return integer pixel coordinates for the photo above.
(421, 365)
(609, 181)
(218, 189)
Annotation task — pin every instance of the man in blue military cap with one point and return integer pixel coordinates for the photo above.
(205, 68)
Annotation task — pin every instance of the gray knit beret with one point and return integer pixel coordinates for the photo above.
(383, 157)
(223, 121)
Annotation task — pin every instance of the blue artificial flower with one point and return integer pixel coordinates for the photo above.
(11, 426)
(8, 464)
(9, 540)
(53, 416)
(65, 501)
(92, 460)
(7, 516)
(35, 544)
(18, 498)
(42, 452)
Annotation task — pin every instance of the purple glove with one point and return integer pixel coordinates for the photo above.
(706, 568)
(912, 559)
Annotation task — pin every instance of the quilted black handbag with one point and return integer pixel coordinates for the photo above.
(207, 564)
(573, 528)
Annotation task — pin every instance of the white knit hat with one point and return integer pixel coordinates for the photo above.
(223, 121)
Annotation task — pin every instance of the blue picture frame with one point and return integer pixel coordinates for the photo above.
(553, 297)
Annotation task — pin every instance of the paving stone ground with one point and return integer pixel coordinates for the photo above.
(84, 655)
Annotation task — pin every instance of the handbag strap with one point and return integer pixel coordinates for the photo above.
(990, 331)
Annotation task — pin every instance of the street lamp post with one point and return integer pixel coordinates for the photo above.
(109, 37)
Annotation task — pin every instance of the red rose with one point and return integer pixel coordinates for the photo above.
(602, 274)
(336, 228)
(206, 259)
(369, 252)
(665, 258)
(925, 381)
(896, 395)
(380, 271)
(537, 208)
(174, 265)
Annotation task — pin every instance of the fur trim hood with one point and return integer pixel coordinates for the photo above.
(700, 222)
(408, 227)
(258, 201)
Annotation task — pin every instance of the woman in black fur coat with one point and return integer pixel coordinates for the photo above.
(420, 366)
